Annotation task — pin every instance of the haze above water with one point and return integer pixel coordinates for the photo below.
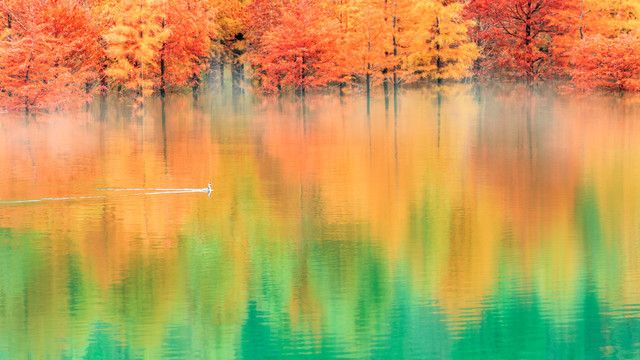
(497, 222)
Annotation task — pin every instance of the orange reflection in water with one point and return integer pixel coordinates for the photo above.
(464, 192)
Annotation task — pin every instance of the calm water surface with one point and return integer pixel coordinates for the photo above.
(488, 223)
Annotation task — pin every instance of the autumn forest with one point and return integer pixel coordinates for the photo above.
(60, 53)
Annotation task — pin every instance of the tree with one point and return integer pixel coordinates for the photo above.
(183, 55)
(364, 42)
(398, 18)
(442, 49)
(154, 44)
(609, 64)
(299, 52)
(610, 18)
(133, 44)
(345, 14)
(230, 41)
(48, 54)
(374, 44)
(6, 7)
(516, 34)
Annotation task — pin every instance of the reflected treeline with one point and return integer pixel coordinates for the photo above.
(502, 221)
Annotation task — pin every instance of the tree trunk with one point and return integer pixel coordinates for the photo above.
(103, 79)
(87, 89)
(163, 82)
(395, 49)
(439, 64)
(395, 66)
(581, 16)
(140, 90)
(237, 74)
(194, 90)
(302, 85)
(385, 86)
(26, 82)
(368, 80)
(528, 52)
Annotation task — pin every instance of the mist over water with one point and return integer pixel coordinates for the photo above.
(475, 222)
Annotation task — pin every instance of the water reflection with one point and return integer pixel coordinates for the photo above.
(461, 223)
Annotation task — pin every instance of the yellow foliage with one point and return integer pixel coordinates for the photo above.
(610, 17)
(133, 44)
(441, 46)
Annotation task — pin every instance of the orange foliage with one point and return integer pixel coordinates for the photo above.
(54, 53)
(399, 16)
(610, 64)
(48, 54)
(299, 53)
(183, 56)
(262, 16)
(609, 17)
(370, 41)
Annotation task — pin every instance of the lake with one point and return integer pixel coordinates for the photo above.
(493, 222)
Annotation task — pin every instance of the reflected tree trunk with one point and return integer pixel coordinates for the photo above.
(385, 86)
(528, 110)
(370, 135)
(481, 117)
(368, 81)
(304, 114)
(30, 150)
(164, 136)
(395, 134)
(439, 113)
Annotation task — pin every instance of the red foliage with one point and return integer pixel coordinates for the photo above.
(609, 64)
(516, 35)
(49, 56)
(262, 16)
(299, 52)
